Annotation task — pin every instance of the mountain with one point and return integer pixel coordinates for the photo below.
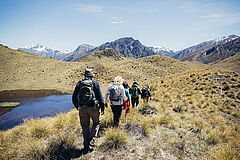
(220, 52)
(163, 51)
(127, 47)
(80, 52)
(190, 52)
(43, 51)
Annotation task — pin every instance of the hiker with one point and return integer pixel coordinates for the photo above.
(135, 92)
(126, 103)
(116, 94)
(146, 94)
(87, 98)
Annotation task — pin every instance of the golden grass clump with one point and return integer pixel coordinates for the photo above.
(61, 145)
(222, 152)
(33, 149)
(40, 130)
(114, 139)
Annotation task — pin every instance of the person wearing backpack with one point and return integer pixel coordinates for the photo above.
(135, 92)
(116, 94)
(87, 98)
(146, 94)
(126, 103)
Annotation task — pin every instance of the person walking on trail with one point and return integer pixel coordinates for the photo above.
(126, 103)
(116, 94)
(135, 92)
(87, 98)
(146, 94)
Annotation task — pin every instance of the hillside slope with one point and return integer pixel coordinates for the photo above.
(230, 64)
(20, 70)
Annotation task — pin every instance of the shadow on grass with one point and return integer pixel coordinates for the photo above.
(70, 154)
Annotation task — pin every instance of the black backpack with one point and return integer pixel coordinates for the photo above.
(86, 95)
(145, 92)
(114, 93)
(134, 92)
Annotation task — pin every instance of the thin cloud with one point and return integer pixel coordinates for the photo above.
(222, 18)
(87, 8)
(115, 20)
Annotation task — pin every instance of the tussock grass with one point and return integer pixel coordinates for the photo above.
(34, 138)
(223, 152)
(61, 145)
(114, 139)
(34, 149)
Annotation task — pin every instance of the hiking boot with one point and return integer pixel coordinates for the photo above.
(85, 150)
(92, 142)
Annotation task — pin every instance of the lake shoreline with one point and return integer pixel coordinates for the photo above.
(13, 94)
(6, 96)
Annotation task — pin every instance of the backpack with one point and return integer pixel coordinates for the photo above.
(135, 92)
(86, 95)
(145, 91)
(114, 93)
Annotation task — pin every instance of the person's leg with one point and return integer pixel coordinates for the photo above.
(144, 100)
(114, 110)
(137, 101)
(118, 114)
(85, 122)
(133, 102)
(147, 98)
(94, 114)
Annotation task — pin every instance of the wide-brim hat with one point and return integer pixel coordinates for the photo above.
(88, 73)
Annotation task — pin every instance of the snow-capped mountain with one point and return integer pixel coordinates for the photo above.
(162, 50)
(220, 52)
(188, 53)
(43, 51)
(78, 53)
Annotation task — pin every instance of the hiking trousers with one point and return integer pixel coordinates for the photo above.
(135, 101)
(85, 114)
(117, 111)
(145, 99)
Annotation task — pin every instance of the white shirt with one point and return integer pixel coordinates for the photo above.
(122, 96)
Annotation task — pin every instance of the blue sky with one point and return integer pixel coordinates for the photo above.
(62, 25)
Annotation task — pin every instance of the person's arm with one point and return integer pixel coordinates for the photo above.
(123, 94)
(106, 97)
(150, 94)
(99, 97)
(128, 95)
(139, 92)
(74, 96)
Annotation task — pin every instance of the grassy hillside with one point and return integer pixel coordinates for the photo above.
(230, 64)
(20, 70)
(194, 114)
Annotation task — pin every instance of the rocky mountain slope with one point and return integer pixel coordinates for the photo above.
(220, 52)
(80, 52)
(127, 47)
(190, 52)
